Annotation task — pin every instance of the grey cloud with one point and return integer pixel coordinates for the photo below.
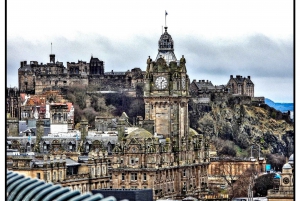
(256, 55)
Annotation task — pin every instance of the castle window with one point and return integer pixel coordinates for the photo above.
(59, 117)
(98, 170)
(145, 176)
(123, 176)
(48, 176)
(133, 176)
(92, 171)
(38, 175)
(184, 173)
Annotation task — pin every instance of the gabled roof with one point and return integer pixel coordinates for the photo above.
(240, 80)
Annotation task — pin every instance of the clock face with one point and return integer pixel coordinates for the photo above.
(161, 82)
(286, 180)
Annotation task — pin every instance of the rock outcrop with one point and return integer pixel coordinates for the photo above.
(245, 124)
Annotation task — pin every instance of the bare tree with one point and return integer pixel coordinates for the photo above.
(237, 182)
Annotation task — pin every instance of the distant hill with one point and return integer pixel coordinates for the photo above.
(283, 107)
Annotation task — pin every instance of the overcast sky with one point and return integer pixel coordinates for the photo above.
(218, 38)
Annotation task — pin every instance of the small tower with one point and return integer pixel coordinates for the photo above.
(52, 58)
(84, 128)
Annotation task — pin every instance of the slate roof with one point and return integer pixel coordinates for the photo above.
(69, 162)
(241, 80)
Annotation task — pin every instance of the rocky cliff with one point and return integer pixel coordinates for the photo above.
(244, 125)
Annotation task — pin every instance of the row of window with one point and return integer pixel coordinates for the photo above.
(134, 176)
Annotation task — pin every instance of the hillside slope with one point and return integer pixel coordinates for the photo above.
(246, 124)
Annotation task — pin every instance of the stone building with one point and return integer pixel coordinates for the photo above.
(241, 85)
(286, 191)
(68, 170)
(232, 168)
(35, 78)
(12, 110)
(163, 153)
(203, 90)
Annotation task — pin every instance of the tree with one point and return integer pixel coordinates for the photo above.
(137, 108)
(244, 183)
(238, 184)
(90, 115)
(206, 125)
(229, 151)
(276, 161)
(263, 183)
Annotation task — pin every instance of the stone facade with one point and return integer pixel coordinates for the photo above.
(286, 191)
(241, 85)
(169, 157)
(75, 173)
(232, 168)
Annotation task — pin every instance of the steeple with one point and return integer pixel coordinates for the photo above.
(166, 47)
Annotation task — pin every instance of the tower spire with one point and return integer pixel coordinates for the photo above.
(51, 47)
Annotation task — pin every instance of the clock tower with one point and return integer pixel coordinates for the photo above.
(166, 92)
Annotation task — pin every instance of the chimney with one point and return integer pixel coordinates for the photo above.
(231, 76)
(249, 77)
(22, 64)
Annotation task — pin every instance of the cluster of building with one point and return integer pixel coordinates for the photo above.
(161, 152)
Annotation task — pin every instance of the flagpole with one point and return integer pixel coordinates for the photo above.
(165, 18)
